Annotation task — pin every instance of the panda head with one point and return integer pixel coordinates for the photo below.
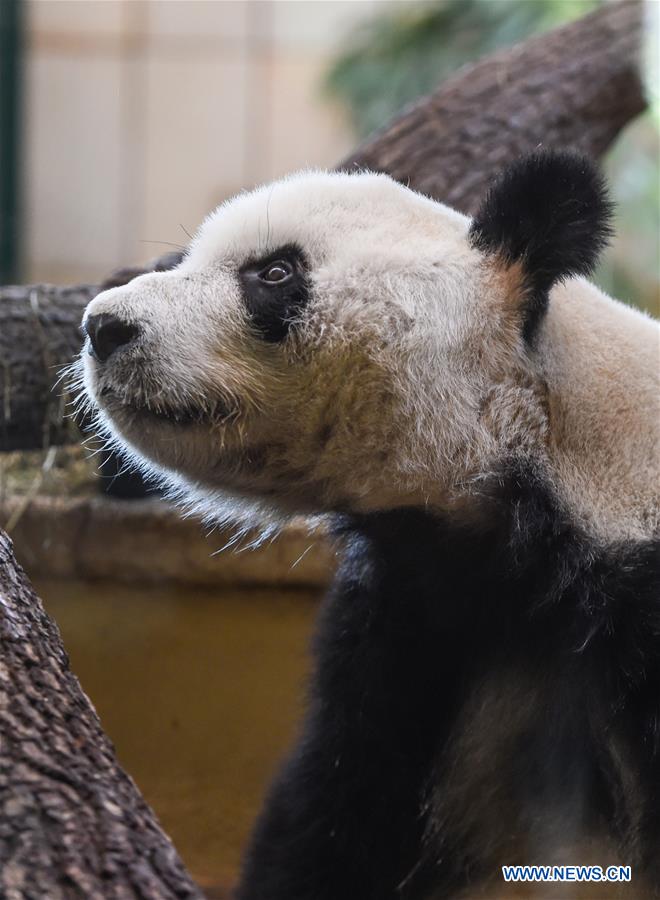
(336, 342)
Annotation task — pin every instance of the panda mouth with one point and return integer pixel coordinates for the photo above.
(182, 416)
(187, 416)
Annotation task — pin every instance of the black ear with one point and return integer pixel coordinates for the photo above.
(550, 213)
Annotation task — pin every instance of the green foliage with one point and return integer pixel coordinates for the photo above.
(631, 266)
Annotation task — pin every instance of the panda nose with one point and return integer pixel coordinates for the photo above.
(107, 333)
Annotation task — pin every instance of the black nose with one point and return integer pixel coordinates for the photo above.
(106, 333)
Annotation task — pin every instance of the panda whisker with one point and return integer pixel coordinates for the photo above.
(180, 247)
(302, 556)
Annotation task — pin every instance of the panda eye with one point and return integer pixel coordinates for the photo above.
(275, 290)
(276, 272)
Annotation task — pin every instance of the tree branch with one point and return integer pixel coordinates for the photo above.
(72, 822)
(576, 86)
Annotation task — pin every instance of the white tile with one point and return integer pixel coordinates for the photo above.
(76, 17)
(195, 138)
(197, 18)
(72, 162)
(43, 272)
(306, 128)
(318, 23)
(133, 160)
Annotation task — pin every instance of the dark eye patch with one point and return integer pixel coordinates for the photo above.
(276, 290)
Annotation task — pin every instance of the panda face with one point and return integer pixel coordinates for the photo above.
(332, 342)
(307, 350)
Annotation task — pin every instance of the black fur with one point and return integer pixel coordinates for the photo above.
(549, 210)
(424, 621)
(274, 307)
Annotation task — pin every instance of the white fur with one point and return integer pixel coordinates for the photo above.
(406, 381)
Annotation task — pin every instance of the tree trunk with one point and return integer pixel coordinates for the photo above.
(575, 86)
(72, 822)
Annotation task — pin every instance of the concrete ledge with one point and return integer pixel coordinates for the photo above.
(148, 541)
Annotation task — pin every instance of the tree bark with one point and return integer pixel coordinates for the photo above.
(72, 822)
(39, 334)
(575, 86)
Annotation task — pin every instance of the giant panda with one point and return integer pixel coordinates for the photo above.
(477, 424)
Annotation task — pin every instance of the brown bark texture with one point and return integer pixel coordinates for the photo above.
(39, 334)
(72, 823)
(576, 86)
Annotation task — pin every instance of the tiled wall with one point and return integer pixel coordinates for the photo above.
(142, 115)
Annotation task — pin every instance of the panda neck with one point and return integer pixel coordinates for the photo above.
(599, 360)
(526, 550)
